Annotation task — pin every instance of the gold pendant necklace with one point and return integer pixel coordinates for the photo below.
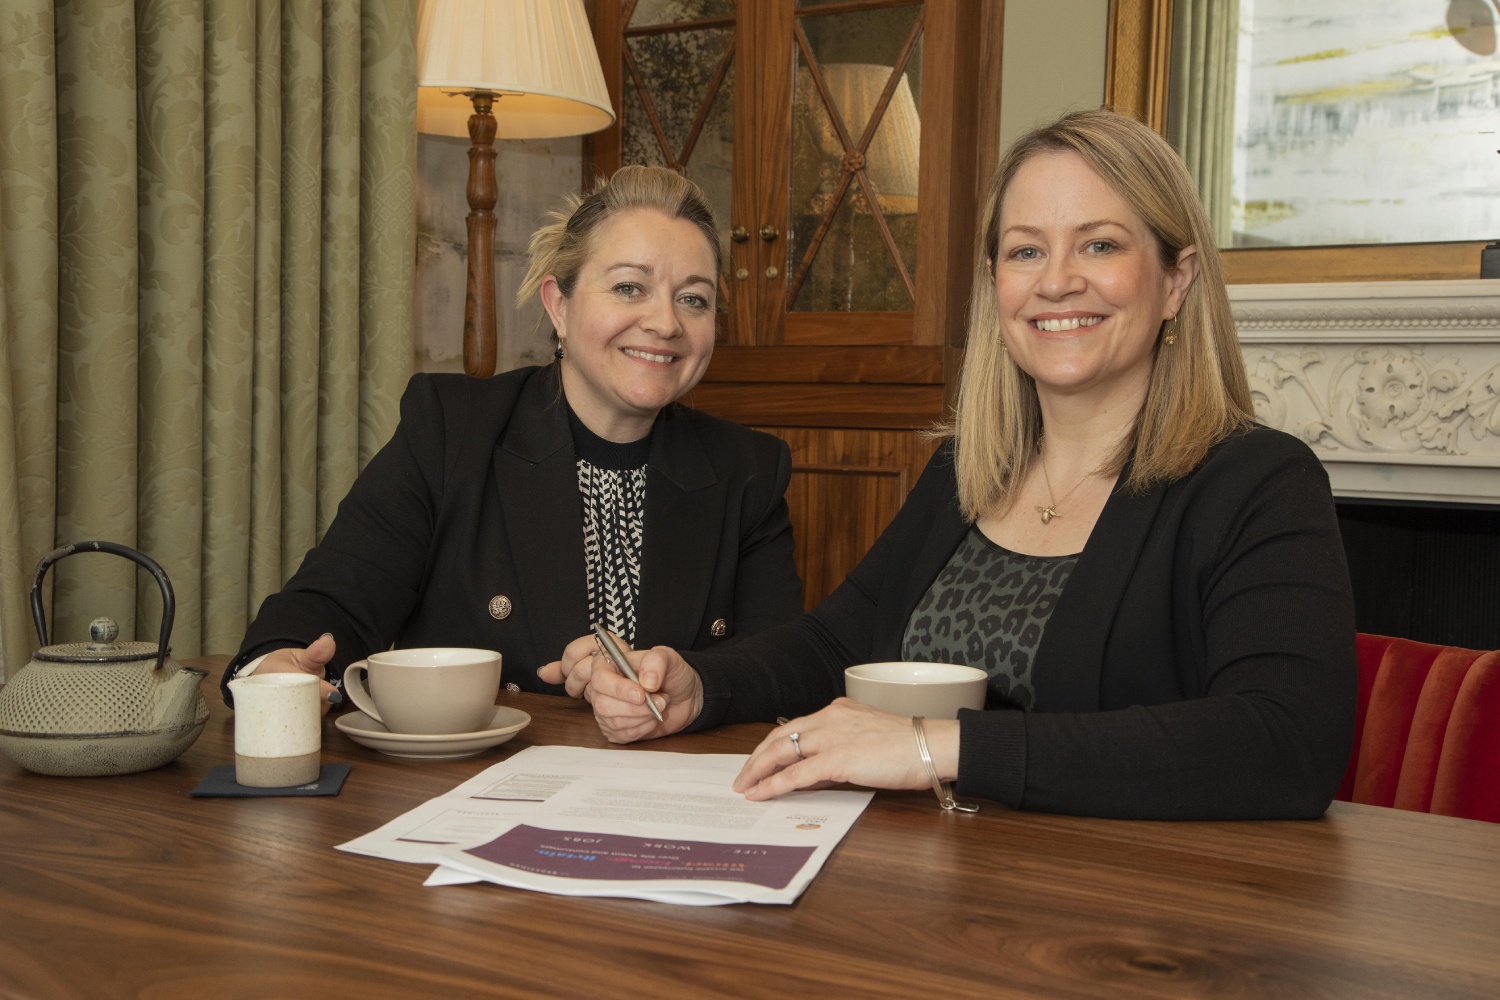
(1050, 511)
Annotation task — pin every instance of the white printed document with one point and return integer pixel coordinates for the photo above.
(660, 826)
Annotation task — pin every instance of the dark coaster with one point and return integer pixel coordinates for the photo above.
(220, 783)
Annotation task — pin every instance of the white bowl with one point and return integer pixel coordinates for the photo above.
(931, 690)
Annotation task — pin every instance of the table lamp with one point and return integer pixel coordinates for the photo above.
(525, 69)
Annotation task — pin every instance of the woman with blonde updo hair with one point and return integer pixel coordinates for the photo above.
(514, 512)
(1152, 582)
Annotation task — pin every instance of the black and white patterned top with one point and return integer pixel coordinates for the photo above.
(988, 608)
(612, 484)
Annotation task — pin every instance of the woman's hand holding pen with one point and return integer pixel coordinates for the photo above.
(619, 703)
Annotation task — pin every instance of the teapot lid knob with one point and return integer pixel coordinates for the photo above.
(103, 630)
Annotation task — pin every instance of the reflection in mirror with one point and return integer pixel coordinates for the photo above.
(852, 216)
(1340, 122)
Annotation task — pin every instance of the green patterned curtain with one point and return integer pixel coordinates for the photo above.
(207, 233)
(1200, 101)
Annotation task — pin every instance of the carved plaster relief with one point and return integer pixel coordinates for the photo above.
(1395, 385)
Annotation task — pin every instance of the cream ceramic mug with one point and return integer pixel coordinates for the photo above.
(931, 690)
(430, 691)
(278, 729)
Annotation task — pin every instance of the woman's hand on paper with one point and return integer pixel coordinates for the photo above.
(620, 703)
(847, 742)
(312, 660)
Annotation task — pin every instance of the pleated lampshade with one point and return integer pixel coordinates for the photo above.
(537, 55)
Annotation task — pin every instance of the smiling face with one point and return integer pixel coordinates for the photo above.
(638, 330)
(1081, 289)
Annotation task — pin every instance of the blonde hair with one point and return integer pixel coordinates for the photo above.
(1197, 394)
(562, 247)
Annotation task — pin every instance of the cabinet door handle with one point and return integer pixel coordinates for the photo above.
(771, 272)
(742, 273)
(739, 234)
(768, 233)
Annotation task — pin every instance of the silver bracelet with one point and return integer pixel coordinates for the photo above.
(939, 787)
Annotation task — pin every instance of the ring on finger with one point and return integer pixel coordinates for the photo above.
(797, 745)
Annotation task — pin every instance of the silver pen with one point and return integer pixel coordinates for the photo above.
(617, 657)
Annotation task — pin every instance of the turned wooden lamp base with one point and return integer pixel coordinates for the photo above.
(479, 294)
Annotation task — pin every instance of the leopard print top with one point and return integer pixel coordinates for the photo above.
(988, 608)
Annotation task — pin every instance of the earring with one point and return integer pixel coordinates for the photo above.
(1170, 337)
(558, 352)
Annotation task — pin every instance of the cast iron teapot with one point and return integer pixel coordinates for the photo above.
(101, 707)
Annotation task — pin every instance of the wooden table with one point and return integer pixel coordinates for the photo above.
(126, 887)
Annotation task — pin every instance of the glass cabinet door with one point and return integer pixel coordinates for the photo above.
(677, 98)
(854, 157)
(801, 119)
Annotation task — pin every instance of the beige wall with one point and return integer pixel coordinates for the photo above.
(1053, 61)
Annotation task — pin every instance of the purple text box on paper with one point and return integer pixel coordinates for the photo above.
(603, 856)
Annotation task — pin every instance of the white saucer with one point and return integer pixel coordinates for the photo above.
(365, 731)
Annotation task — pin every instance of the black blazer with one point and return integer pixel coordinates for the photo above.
(1198, 664)
(476, 498)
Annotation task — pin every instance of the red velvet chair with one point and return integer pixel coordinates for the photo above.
(1427, 730)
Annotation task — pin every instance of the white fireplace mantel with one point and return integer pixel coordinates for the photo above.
(1395, 384)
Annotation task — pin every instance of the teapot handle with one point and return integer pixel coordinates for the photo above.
(168, 600)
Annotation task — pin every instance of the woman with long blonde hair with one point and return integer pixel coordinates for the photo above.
(1154, 583)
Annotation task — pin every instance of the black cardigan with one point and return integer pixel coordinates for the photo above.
(1199, 664)
(476, 497)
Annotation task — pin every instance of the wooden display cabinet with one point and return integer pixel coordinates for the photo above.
(844, 143)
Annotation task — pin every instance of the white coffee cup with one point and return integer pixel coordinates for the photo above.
(430, 691)
(931, 690)
(278, 729)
